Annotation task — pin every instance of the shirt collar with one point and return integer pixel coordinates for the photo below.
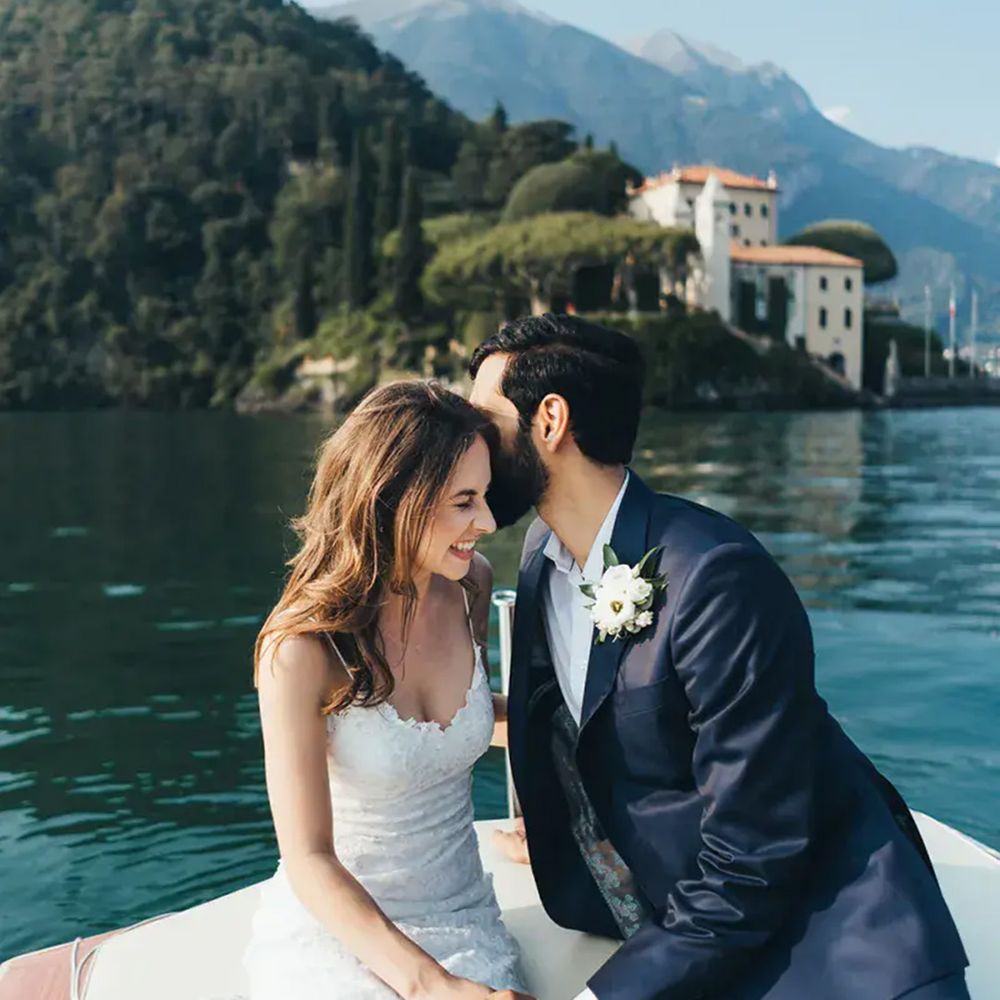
(563, 559)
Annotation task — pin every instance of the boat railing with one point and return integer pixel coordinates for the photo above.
(503, 601)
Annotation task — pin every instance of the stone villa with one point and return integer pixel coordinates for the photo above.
(815, 296)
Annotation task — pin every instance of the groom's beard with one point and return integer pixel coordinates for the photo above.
(519, 480)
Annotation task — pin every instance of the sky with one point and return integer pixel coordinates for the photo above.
(899, 72)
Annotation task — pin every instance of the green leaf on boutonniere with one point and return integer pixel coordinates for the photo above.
(587, 589)
(646, 558)
(610, 559)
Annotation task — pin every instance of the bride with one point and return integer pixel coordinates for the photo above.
(375, 704)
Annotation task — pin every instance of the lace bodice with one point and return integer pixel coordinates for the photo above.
(401, 795)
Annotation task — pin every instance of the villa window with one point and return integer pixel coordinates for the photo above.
(763, 211)
(822, 317)
(746, 243)
(734, 230)
(848, 318)
(848, 284)
(748, 210)
(823, 283)
(732, 208)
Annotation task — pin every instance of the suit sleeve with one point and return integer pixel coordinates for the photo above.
(742, 648)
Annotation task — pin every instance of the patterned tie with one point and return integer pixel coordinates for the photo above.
(612, 876)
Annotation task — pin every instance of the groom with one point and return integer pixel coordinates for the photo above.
(684, 787)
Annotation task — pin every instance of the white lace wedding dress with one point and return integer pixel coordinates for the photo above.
(402, 824)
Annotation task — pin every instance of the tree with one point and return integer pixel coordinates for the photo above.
(522, 147)
(555, 187)
(586, 182)
(472, 167)
(407, 297)
(358, 269)
(443, 229)
(305, 302)
(497, 121)
(537, 258)
(390, 181)
(853, 239)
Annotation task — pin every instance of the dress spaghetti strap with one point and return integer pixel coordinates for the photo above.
(333, 646)
(468, 614)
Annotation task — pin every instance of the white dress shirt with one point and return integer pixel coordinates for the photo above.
(568, 627)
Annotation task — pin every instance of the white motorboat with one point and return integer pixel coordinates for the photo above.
(195, 954)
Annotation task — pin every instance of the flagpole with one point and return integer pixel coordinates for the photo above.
(927, 331)
(973, 332)
(951, 332)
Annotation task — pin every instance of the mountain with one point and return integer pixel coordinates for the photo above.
(665, 100)
(472, 52)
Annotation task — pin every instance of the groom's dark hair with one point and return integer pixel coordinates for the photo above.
(597, 370)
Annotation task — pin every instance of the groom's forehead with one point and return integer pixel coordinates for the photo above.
(487, 387)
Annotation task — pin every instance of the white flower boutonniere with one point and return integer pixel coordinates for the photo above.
(622, 600)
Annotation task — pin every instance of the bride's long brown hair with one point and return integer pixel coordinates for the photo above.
(378, 479)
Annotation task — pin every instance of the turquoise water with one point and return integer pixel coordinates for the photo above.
(138, 553)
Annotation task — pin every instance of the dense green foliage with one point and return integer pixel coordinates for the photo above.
(444, 229)
(536, 259)
(495, 156)
(693, 361)
(585, 182)
(853, 239)
(173, 175)
(554, 187)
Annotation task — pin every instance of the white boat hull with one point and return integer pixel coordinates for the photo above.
(195, 955)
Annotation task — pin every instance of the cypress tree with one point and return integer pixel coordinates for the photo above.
(407, 298)
(498, 120)
(390, 182)
(305, 302)
(358, 264)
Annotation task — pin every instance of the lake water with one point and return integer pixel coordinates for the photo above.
(138, 553)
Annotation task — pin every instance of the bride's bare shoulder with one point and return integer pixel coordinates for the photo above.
(304, 667)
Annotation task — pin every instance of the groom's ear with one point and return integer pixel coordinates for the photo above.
(553, 421)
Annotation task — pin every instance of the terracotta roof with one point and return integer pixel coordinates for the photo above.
(791, 255)
(699, 175)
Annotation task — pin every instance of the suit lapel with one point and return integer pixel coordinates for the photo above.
(529, 649)
(629, 540)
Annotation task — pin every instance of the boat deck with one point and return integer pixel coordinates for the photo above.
(195, 955)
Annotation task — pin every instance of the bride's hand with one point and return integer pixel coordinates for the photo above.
(513, 844)
(455, 988)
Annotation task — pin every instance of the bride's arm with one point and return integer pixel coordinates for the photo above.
(482, 575)
(292, 686)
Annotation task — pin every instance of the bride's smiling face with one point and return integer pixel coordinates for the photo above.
(461, 517)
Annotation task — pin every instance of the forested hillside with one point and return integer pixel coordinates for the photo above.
(173, 183)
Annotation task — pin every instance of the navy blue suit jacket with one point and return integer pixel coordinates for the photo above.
(777, 861)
